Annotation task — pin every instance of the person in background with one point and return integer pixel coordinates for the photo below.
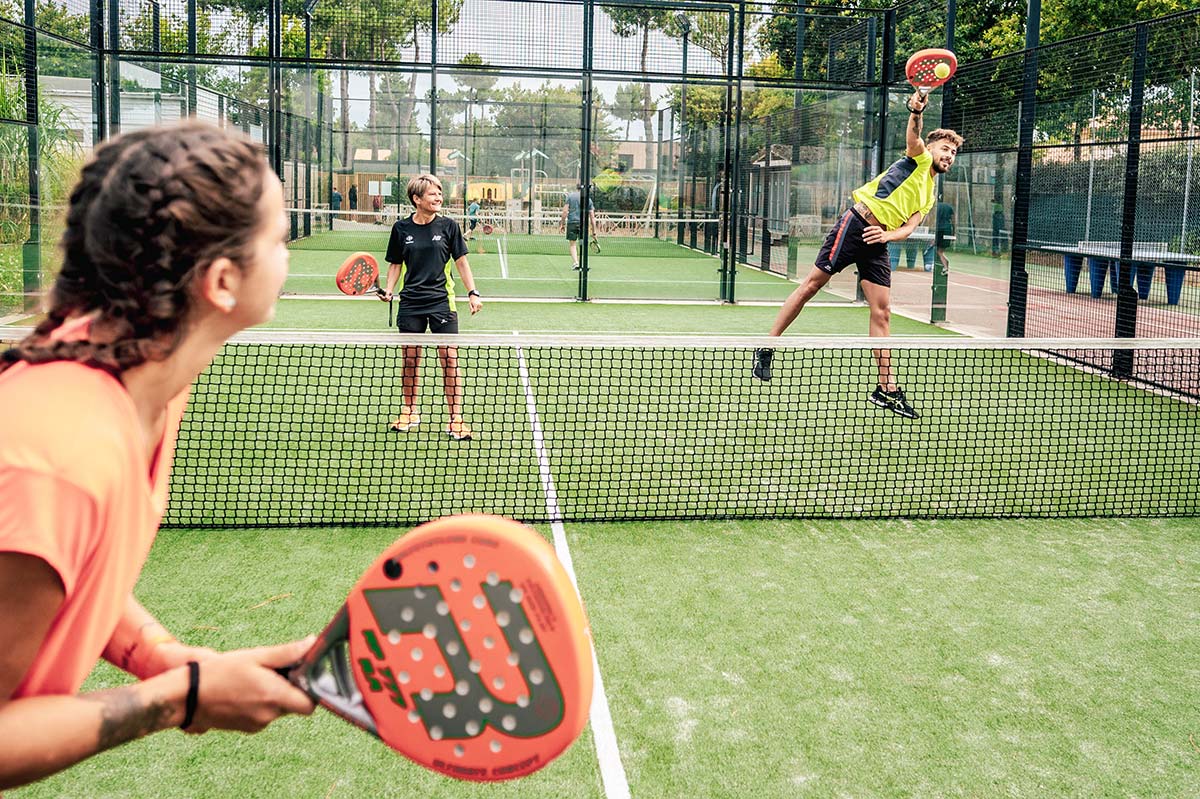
(472, 217)
(352, 196)
(572, 221)
(887, 209)
(943, 233)
(174, 242)
(419, 254)
(335, 205)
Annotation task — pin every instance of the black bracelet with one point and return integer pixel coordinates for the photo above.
(474, 293)
(193, 694)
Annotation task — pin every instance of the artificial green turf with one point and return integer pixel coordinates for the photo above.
(893, 659)
(766, 659)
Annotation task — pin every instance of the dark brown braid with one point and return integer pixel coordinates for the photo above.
(152, 210)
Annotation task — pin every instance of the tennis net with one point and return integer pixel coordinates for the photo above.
(288, 429)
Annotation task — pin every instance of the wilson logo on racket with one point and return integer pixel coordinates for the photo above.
(464, 647)
(521, 695)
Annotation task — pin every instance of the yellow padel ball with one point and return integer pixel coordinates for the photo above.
(942, 70)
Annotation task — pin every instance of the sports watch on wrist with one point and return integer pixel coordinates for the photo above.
(474, 293)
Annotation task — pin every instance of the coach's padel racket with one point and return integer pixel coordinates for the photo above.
(359, 274)
(463, 647)
(930, 68)
(595, 245)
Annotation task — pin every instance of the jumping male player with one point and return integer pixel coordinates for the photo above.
(887, 209)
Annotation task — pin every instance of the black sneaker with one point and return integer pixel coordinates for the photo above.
(762, 363)
(894, 401)
(576, 267)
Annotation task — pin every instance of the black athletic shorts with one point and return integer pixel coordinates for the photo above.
(440, 322)
(844, 246)
(471, 223)
(574, 231)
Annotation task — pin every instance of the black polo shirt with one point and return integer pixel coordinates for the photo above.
(426, 253)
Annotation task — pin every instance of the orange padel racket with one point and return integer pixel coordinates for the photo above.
(359, 274)
(923, 68)
(463, 647)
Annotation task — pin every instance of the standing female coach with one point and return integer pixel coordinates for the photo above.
(419, 254)
(174, 242)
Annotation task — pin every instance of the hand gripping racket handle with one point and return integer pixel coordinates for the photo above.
(325, 674)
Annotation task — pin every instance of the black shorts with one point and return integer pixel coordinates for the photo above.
(440, 322)
(472, 223)
(574, 231)
(844, 246)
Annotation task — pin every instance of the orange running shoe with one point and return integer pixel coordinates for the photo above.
(407, 420)
(458, 429)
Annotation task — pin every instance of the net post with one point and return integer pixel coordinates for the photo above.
(1127, 299)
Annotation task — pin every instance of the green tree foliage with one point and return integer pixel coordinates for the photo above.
(479, 81)
(370, 30)
(628, 103)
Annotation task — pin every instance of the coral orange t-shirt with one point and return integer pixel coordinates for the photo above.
(79, 494)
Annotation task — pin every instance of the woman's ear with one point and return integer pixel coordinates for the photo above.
(220, 284)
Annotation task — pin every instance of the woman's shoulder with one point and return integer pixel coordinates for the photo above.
(66, 419)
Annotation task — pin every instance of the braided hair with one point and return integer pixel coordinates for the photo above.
(151, 211)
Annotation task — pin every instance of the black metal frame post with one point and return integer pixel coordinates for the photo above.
(658, 174)
(1127, 298)
(433, 89)
(765, 206)
(886, 77)
(738, 220)
(684, 129)
(113, 66)
(192, 46)
(99, 85)
(725, 211)
(585, 152)
(1018, 282)
(31, 251)
(941, 275)
(275, 91)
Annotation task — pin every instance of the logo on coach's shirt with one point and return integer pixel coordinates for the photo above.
(437, 237)
(408, 239)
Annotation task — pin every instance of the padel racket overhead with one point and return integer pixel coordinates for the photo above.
(463, 647)
(359, 274)
(922, 68)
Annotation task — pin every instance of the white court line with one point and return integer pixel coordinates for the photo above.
(503, 259)
(612, 772)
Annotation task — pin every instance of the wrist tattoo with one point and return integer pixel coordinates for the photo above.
(125, 717)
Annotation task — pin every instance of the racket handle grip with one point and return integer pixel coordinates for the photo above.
(924, 90)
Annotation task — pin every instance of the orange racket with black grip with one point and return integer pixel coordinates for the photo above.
(927, 69)
(359, 274)
(463, 647)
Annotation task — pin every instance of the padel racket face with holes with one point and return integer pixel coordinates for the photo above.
(595, 245)
(463, 647)
(921, 65)
(359, 274)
